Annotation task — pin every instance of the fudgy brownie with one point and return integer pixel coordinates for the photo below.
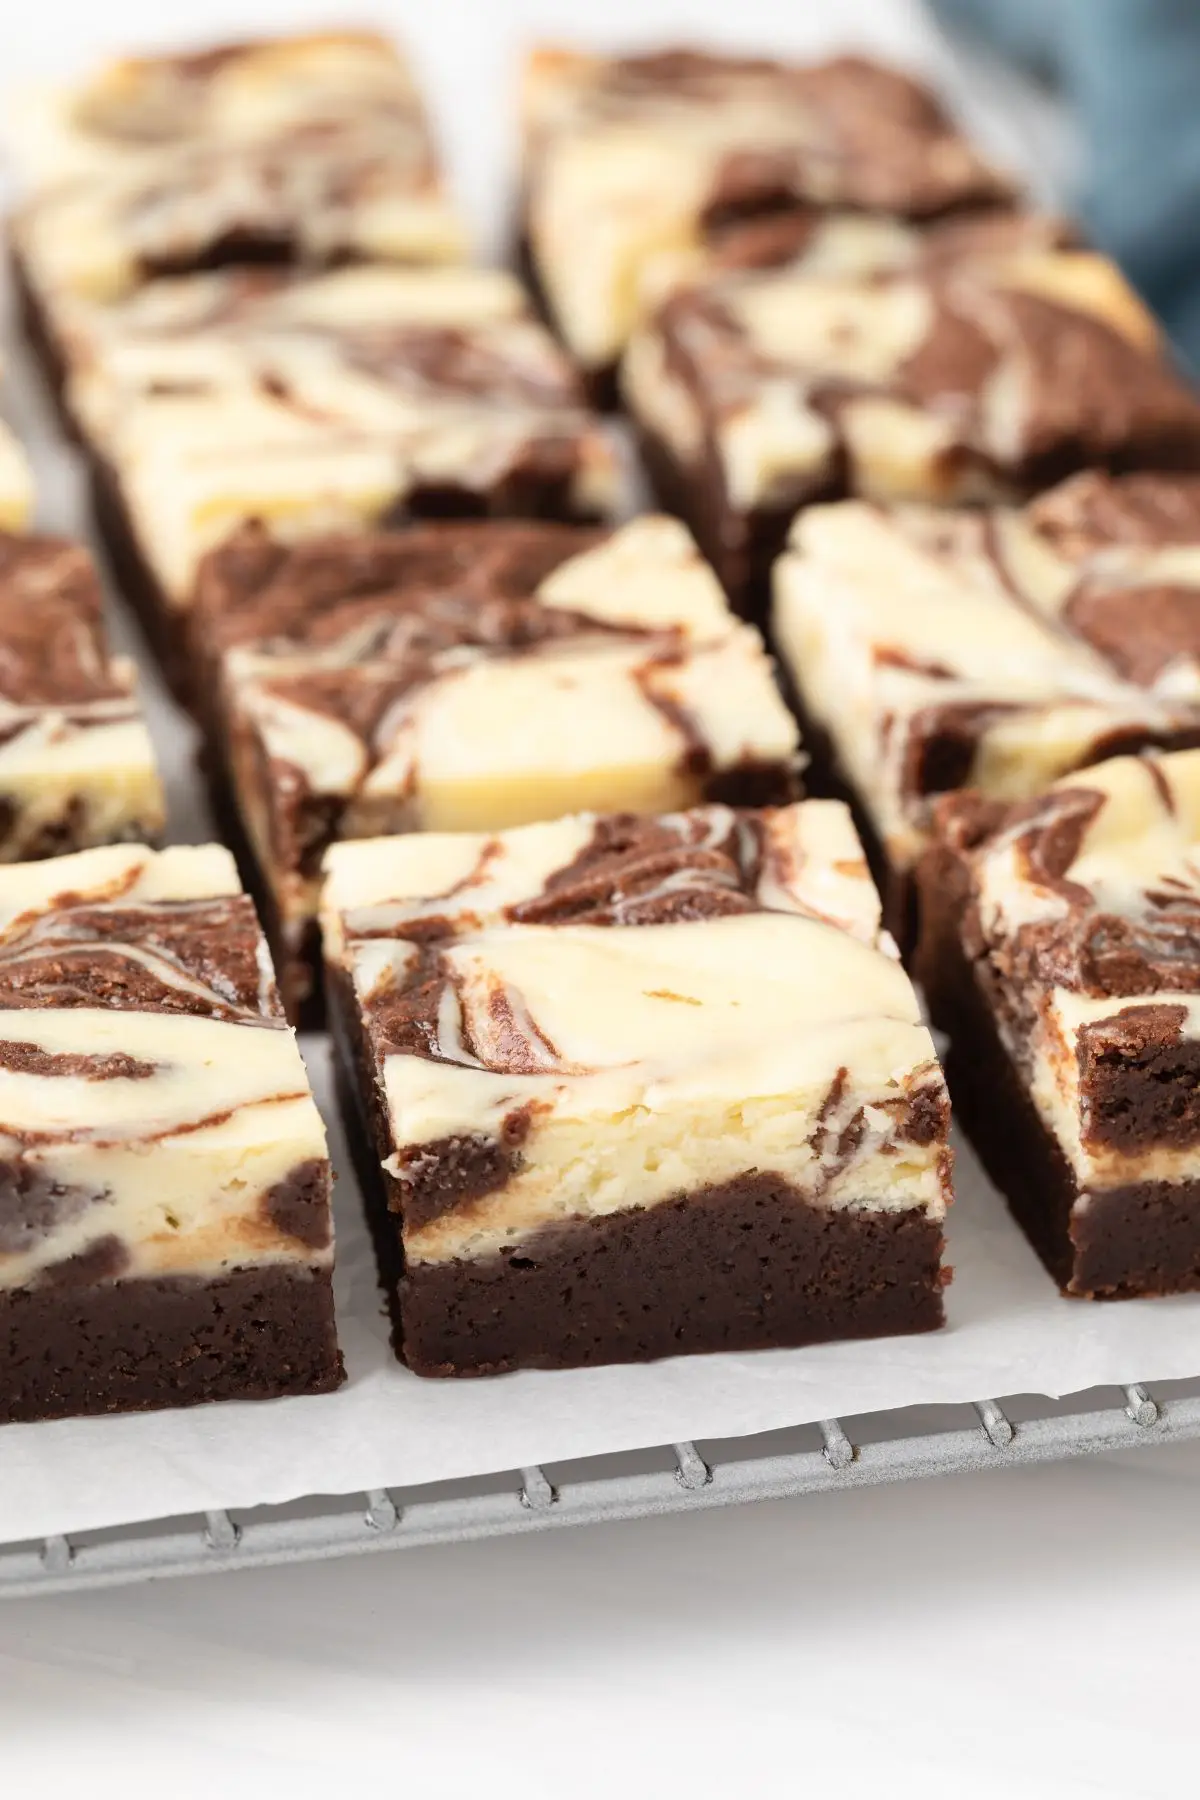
(996, 649)
(165, 1230)
(361, 396)
(985, 378)
(630, 1087)
(1061, 952)
(634, 159)
(470, 677)
(76, 763)
(310, 150)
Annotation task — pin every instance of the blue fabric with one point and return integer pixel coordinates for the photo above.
(1130, 70)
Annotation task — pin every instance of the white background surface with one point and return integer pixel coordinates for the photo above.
(1024, 1634)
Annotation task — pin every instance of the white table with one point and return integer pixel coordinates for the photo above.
(979, 1638)
(1029, 1633)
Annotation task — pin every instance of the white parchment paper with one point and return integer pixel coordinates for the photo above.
(1008, 1330)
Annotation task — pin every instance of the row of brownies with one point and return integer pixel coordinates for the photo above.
(630, 1060)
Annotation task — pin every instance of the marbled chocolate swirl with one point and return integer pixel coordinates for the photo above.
(978, 379)
(652, 1005)
(994, 649)
(311, 151)
(631, 159)
(154, 1111)
(76, 764)
(479, 677)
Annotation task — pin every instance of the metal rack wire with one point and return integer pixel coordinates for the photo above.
(597, 1492)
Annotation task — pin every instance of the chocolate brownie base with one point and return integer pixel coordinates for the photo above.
(750, 1264)
(136, 1345)
(1141, 1239)
(747, 1265)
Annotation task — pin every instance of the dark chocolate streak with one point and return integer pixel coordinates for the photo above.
(33, 1205)
(1154, 946)
(1093, 395)
(31, 1059)
(879, 140)
(1139, 628)
(107, 1259)
(447, 1174)
(53, 649)
(452, 583)
(1096, 511)
(442, 362)
(405, 1020)
(642, 871)
(198, 957)
(299, 1205)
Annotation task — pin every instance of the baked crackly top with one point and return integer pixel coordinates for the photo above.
(846, 132)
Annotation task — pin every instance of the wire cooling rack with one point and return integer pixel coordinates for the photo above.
(679, 1478)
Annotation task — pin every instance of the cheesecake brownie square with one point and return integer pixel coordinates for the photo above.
(1061, 952)
(76, 763)
(165, 1230)
(362, 396)
(312, 150)
(626, 1088)
(930, 650)
(469, 677)
(987, 378)
(630, 159)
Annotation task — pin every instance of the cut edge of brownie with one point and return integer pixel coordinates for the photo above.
(742, 548)
(1130, 1240)
(854, 1272)
(601, 384)
(144, 1343)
